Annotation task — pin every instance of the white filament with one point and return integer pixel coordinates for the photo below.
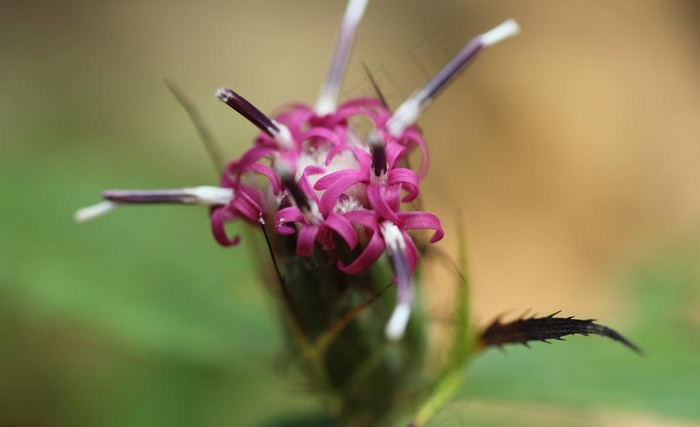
(508, 28)
(203, 195)
(396, 326)
(90, 212)
(393, 238)
(328, 99)
(408, 113)
(210, 196)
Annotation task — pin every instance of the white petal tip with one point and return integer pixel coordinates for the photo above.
(508, 28)
(90, 212)
(396, 326)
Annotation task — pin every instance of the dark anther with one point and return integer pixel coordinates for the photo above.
(247, 110)
(300, 198)
(148, 196)
(379, 166)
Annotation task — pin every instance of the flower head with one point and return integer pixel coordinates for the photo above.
(316, 177)
(335, 204)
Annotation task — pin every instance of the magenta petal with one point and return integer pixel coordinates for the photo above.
(251, 156)
(306, 239)
(412, 136)
(344, 228)
(408, 180)
(334, 177)
(411, 251)
(379, 202)
(219, 217)
(343, 180)
(321, 133)
(334, 152)
(363, 158)
(286, 215)
(246, 206)
(421, 220)
(305, 184)
(369, 255)
(268, 173)
(364, 218)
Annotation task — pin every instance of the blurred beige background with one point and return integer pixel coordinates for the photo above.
(573, 148)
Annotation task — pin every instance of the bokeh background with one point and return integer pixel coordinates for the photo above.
(573, 149)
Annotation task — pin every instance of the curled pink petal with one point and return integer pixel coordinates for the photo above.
(408, 180)
(365, 218)
(306, 239)
(305, 184)
(411, 251)
(341, 181)
(344, 228)
(411, 136)
(422, 220)
(244, 204)
(369, 255)
(267, 172)
(379, 202)
(219, 217)
(287, 215)
(322, 133)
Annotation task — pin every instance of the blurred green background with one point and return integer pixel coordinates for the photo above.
(573, 149)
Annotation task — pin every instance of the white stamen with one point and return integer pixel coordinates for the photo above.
(396, 326)
(508, 28)
(210, 196)
(328, 99)
(282, 167)
(203, 195)
(355, 10)
(406, 115)
(392, 236)
(90, 212)
(282, 136)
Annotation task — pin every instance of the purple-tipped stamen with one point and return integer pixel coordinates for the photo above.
(328, 98)
(255, 116)
(408, 112)
(203, 196)
(148, 196)
(396, 249)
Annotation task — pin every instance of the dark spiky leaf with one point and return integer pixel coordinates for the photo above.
(524, 330)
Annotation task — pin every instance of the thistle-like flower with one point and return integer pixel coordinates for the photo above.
(335, 207)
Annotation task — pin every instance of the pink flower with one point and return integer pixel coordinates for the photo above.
(318, 179)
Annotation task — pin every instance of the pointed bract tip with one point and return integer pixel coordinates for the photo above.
(508, 28)
(396, 326)
(91, 212)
